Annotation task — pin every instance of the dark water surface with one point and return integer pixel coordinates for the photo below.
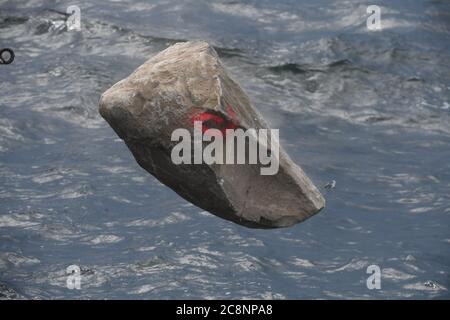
(370, 110)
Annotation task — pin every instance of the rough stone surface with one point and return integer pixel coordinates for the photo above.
(164, 94)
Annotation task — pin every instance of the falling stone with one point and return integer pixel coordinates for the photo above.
(166, 93)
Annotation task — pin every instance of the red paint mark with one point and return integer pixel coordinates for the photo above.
(213, 121)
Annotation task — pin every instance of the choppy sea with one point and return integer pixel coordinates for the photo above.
(368, 109)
